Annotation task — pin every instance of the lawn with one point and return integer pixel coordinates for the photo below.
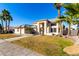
(6, 36)
(46, 45)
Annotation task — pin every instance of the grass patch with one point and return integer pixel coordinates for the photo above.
(46, 45)
(6, 36)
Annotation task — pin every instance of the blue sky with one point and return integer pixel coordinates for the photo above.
(27, 13)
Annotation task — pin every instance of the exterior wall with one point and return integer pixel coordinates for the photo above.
(57, 31)
(47, 29)
(38, 25)
(18, 31)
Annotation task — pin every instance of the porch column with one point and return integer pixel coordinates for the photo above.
(57, 29)
(38, 28)
(45, 27)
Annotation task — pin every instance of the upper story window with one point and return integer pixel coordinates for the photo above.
(53, 24)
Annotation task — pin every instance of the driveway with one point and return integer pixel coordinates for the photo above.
(10, 49)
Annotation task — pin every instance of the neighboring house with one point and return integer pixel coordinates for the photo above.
(19, 30)
(47, 27)
(22, 29)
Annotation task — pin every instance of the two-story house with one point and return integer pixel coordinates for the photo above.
(47, 27)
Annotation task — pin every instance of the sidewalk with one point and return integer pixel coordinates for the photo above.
(15, 38)
(75, 39)
(74, 49)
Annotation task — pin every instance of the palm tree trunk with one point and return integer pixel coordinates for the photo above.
(59, 13)
(69, 29)
(60, 22)
(2, 26)
(60, 28)
(8, 25)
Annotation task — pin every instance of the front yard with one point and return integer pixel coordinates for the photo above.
(46, 45)
(6, 36)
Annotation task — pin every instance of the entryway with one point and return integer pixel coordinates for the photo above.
(41, 28)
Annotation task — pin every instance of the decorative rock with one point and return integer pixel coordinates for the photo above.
(72, 50)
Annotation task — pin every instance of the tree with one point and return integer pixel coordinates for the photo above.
(71, 14)
(7, 18)
(59, 21)
(58, 7)
(1, 18)
(69, 20)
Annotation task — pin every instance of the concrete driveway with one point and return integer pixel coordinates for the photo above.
(10, 49)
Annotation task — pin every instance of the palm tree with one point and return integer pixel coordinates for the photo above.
(70, 15)
(77, 23)
(5, 14)
(58, 7)
(69, 20)
(59, 21)
(1, 18)
(7, 18)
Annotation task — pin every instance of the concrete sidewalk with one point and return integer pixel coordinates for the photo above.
(74, 49)
(15, 38)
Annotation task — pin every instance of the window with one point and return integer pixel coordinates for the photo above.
(53, 30)
(17, 30)
(53, 24)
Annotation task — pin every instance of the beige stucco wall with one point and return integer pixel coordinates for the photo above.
(17, 31)
(57, 31)
(47, 30)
